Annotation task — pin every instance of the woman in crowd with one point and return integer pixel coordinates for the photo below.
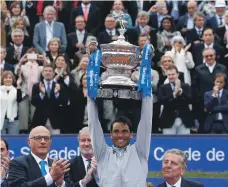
(54, 46)
(19, 23)
(182, 58)
(15, 10)
(118, 12)
(10, 97)
(165, 34)
(166, 61)
(29, 73)
(68, 111)
(81, 69)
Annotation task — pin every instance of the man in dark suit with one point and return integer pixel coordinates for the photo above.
(144, 28)
(194, 35)
(15, 52)
(110, 33)
(81, 166)
(4, 66)
(36, 169)
(5, 160)
(175, 97)
(46, 97)
(185, 22)
(91, 14)
(158, 12)
(216, 105)
(208, 42)
(174, 165)
(77, 39)
(203, 81)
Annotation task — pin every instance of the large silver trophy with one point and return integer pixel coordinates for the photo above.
(119, 58)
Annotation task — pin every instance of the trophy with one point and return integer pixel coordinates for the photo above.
(119, 58)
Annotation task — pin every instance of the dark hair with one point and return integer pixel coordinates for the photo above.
(81, 78)
(48, 66)
(172, 67)
(221, 75)
(172, 23)
(6, 144)
(14, 5)
(144, 35)
(124, 120)
(209, 28)
(66, 62)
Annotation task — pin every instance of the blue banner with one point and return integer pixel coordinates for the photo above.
(205, 153)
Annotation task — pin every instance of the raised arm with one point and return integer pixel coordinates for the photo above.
(96, 132)
(144, 128)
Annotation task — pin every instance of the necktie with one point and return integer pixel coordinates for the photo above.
(219, 97)
(48, 89)
(110, 33)
(86, 12)
(42, 167)
(75, 3)
(199, 33)
(89, 164)
(220, 23)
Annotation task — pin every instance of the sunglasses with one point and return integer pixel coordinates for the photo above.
(206, 56)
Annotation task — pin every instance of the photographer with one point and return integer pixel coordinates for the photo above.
(28, 72)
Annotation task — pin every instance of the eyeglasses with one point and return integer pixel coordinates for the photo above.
(166, 61)
(79, 21)
(40, 138)
(84, 140)
(206, 56)
(178, 42)
(110, 21)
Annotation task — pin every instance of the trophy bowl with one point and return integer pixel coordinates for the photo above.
(119, 58)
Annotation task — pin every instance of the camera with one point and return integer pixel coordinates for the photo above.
(32, 56)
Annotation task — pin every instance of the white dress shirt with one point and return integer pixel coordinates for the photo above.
(18, 48)
(218, 19)
(211, 68)
(199, 30)
(80, 35)
(209, 46)
(49, 32)
(113, 31)
(190, 23)
(47, 177)
(2, 64)
(177, 184)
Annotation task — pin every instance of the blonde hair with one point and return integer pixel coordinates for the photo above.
(54, 40)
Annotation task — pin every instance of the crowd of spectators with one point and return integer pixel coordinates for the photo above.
(46, 46)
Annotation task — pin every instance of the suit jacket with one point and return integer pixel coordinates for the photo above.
(153, 35)
(213, 107)
(10, 54)
(212, 22)
(72, 40)
(184, 183)
(221, 32)
(39, 38)
(192, 36)
(172, 105)
(8, 67)
(93, 23)
(153, 22)
(46, 108)
(203, 80)
(182, 22)
(197, 50)
(4, 183)
(24, 171)
(77, 172)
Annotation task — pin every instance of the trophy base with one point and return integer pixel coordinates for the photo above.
(124, 92)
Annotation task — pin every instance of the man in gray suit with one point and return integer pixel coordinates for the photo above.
(47, 29)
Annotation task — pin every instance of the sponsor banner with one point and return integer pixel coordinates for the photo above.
(205, 153)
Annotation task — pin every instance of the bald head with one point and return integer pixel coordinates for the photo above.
(40, 141)
(192, 7)
(39, 130)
